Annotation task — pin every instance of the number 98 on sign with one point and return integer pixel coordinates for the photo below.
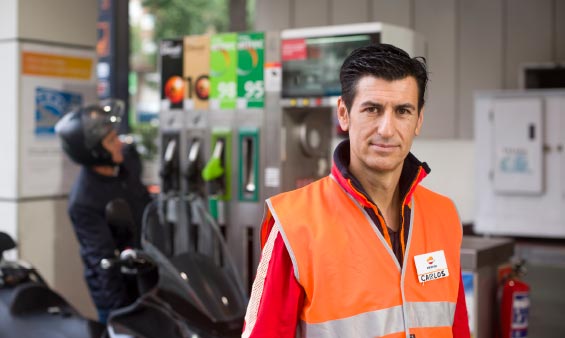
(227, 90)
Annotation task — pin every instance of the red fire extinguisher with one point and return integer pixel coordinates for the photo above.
(514, 303)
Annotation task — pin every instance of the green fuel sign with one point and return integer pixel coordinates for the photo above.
(223, 71)
(250, 62)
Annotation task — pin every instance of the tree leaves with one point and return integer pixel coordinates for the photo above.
(177, 18)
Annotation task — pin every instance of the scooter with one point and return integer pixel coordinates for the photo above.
(187, 295)
(30, 309)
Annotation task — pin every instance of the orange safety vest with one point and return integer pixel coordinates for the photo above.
(353, 284)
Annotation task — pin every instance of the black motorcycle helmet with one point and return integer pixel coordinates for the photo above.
(82, 131)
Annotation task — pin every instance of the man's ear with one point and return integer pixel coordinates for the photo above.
(342, 114)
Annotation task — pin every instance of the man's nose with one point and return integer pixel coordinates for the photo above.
(386, 124)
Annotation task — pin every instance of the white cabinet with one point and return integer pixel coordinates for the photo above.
(518, 147)
(520, 161)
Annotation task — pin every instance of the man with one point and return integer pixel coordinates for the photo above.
(366, 251)
(89, 138)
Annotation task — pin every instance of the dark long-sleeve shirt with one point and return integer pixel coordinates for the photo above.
(87, 203)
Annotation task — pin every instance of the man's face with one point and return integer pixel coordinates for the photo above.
(382, 123)
(112, 143)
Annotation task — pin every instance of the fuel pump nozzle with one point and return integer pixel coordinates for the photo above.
(193, 171)
(214, 172)
(168, 167)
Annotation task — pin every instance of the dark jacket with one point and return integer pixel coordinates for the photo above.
(87, 202)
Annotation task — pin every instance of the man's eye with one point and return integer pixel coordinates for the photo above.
(371, 109)
(403, 111)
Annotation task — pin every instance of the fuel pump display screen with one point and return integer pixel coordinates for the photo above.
(310, 66)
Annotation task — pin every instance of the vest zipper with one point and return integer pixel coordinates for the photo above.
(403, 269)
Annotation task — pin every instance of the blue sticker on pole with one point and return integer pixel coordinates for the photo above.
(50, 105)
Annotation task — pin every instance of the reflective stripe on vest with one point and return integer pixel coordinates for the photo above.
(353, 284)
(383, 322)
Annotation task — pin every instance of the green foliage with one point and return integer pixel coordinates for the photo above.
(250, 8)
(146, 136)
(135, 39)
(177, 18)
(139, 58)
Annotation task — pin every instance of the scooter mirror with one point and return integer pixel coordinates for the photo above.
(118, 214)
(6, 243)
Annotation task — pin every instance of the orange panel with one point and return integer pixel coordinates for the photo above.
(56, 65)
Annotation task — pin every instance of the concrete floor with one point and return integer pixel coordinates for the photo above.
(546, 277)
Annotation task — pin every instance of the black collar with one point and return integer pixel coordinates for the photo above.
(409, 175)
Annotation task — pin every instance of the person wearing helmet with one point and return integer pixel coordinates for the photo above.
(109, 171)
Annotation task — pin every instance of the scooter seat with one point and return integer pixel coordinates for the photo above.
(31, 298)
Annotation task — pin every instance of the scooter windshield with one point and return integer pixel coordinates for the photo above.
(202, 281)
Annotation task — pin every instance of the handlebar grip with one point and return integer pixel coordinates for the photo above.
(106, 263)
(130, 260)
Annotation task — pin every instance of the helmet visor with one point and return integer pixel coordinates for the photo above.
(99, 120)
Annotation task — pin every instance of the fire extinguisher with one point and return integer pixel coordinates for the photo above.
(514, 303)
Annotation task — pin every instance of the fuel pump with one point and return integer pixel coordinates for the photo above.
(194, 191)
(196, 146)
(311, 59)
(307, 143)
(259, 109)
(171, 122)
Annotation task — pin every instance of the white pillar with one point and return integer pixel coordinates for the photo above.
(48, 53)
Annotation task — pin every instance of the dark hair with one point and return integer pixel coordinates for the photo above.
(382, 61)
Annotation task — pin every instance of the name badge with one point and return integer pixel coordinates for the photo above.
(431, 266)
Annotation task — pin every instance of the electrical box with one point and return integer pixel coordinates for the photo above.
(520, 162)
(518, 134)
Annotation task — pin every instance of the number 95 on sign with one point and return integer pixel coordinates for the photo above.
(254, 90)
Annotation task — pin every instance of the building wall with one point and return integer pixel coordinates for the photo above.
(47, 240)
(559, 36)
(472, 45)
(58, 21)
